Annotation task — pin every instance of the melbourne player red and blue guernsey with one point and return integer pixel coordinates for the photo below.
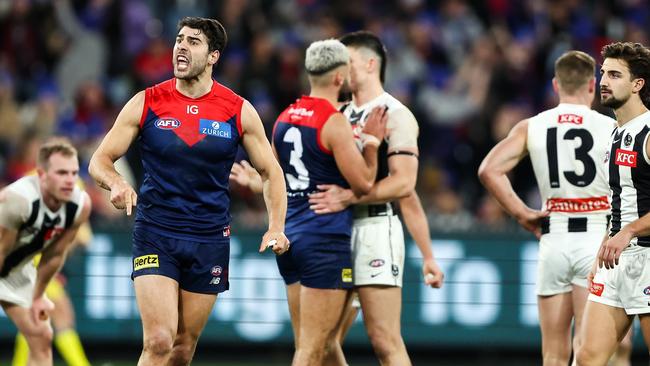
(188, 146)
(320, 244)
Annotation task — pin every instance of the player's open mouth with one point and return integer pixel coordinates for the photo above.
(182, 62)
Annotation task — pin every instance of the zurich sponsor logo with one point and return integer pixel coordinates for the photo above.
(215, 128)
(216, 271)
(646, 291)
(168, 123)
(376, 263)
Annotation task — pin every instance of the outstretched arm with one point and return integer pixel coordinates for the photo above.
(275, 193)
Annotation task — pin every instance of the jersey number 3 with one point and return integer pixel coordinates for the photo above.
(293, 136)
(581, 154)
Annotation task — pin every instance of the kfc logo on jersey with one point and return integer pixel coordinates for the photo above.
(626, 158)
(597, 288)
(646, 291)
(569, 118)
(168, 123)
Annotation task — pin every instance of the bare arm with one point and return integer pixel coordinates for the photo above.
(275, 193)
(403, 172)
(402, 166)
(418, 226)
(499, 161)
(54, 255)
(359, 171)
(115, 144)
(10, 220)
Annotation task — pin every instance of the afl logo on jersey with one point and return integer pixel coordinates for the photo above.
(168, 123)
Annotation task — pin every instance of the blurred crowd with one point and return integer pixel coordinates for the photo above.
(468, 69)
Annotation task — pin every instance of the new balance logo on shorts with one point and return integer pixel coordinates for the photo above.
(145, 261)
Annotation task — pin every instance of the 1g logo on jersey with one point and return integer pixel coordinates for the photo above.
(192, 109)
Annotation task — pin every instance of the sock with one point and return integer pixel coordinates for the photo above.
(21, 351)
(69, 346)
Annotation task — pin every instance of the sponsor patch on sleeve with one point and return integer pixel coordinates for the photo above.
(145, 261)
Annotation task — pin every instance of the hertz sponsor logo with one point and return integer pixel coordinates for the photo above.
(145, 261)
(346, 275)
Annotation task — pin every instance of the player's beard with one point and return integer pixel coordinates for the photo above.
(196, 68)
(345, 93)
(613, 102)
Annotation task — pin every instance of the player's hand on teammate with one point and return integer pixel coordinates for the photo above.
(433, 275)
(276, 240)
(245, 175)
(374, 128)
(123, 196)
(611, 249)
(331, 198)
(41, 309)
(531, 220)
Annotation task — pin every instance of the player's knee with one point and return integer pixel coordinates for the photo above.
(40, 342)
(331, 345)
(159, 343)
(182, 353)
(587, 356)
(384, 343)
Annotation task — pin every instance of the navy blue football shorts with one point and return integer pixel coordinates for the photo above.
(318, 261)
(200, 267)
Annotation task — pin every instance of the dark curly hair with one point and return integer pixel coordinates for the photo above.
(213, 30)
(637, 57)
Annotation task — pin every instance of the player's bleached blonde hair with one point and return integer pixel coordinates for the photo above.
(324, 56)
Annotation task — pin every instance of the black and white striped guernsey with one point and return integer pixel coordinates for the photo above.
(629, 175)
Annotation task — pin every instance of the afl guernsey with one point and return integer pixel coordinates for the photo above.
(568, 146)
(402, 133)
(37, 225)
(306, 164)
(188, 146)
(629, 175)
